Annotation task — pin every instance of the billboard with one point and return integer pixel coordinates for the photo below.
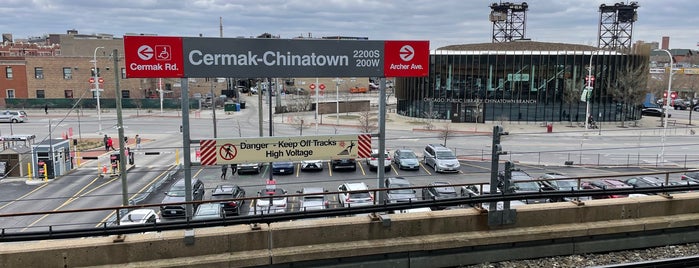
(179, 57)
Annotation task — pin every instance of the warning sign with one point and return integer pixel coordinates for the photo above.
(255, 150)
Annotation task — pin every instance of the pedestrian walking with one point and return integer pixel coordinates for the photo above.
(106, 142)
(138, 142)
(224, 168)
(46, 108)
(110, 143)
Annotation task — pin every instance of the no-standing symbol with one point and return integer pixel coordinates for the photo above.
(228, 151)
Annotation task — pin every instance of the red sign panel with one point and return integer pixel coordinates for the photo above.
(406, 58)
(153, 56)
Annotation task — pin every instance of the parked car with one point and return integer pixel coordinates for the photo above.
(559, 182)
(399, 195)
(307, 165)
(140, 216)
(13, 117)
(651, 111)
(438, 190)
(440, 158)
(354, 194)
(522, 182)
(176, 194)
(227, 192)
(313, 198)
(286, 167)
(345, 163)
(208, 211)
(690, 176)
(606, 184)
(406, 159)
(247, 168)
(678, 104)
(272, 200)
(373, 161)
(645, 181)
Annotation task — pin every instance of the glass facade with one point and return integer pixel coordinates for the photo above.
(538, 86)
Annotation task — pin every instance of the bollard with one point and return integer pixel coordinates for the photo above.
(46, 173)
(29, 170)
(77, 158)
(177, 156)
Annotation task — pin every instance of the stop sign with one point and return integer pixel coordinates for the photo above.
(322, 86)
(100, 80)
(312, 86)
(92, 80)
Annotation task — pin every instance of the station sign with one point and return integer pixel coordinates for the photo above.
(179, 57)
(273, 149)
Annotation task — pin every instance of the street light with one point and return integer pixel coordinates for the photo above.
(588, 91)
(97, 89)
(666, 108)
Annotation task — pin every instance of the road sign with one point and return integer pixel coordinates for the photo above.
(100, 80)
(256, 150)
(312, 86)
(589, 77)
(92, 80)
(321, 86)
(179, 57)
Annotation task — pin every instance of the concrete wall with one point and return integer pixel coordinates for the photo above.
(306, 240)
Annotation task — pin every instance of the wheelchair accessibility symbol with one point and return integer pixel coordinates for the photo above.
(228, 151)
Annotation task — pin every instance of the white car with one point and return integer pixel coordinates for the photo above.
(313, 199)
(354, 194)
(140, 216)
(373, 161)
(311, 165)
(272, 200)
(13, 116)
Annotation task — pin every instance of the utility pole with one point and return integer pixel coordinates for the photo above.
(120, 129)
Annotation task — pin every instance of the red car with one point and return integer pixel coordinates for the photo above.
(606, 184)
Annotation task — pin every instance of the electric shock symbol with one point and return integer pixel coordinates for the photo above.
(228, 151)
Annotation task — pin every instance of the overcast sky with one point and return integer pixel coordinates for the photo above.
(442, 22)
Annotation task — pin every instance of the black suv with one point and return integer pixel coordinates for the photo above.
(176, 194)
(347, 163)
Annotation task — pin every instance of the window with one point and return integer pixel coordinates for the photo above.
(125, 94)
(40, 94)
(10, 93)
(39, 73)
(8, 72)
(123, 73)
(67, 73)
(68, 94)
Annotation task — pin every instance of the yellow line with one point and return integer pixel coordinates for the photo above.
(70, 200)
(359, 163)
(24, 196)
(139, 192)
(298, 169)
(476, 166)
(330, 169)
(423, 167)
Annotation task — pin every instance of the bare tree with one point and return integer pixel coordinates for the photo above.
(431, 116)
(571, 94)
(628, 88)
(446, 132)
(367, 122)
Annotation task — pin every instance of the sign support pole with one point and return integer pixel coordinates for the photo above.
(316, 114)
(380, 171)
(120, 129)
(186, 150)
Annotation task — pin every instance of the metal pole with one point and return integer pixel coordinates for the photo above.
(588, 87)
(120, 129)
(186, 147)
(271, 131)
(213, 106)
(97, 89)
(380, 171)
(316, 112)
(337, 100)
(259, 107)
(667, 109)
